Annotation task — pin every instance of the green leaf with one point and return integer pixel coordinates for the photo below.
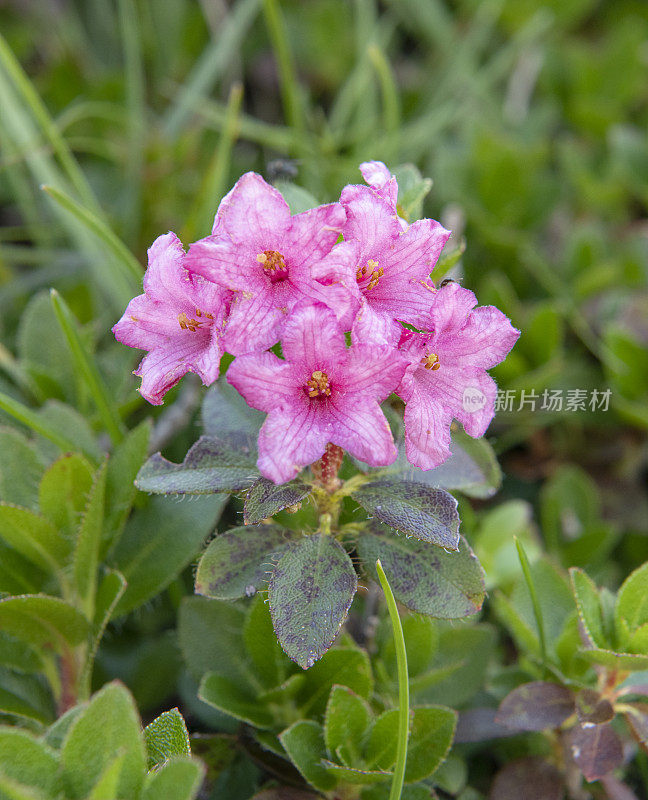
(304, 743)
(210, 638)
(123, 466)
(88, 542)
(345, 666)
(25, 696)
(17, 574)
(33, 537)
(158, 543)
(43, 621)
(166, 737)
(264, 499)
(624, 662)
(71, 428)
(107, 786)
(109, 723)
(413, 508)
(310, 594)
(588, 604)
(346, 722)
(14, 790)
(262, 646)
(239, 563)
(18, 655)
(431, 734)
(178, 779)
(423, 577)
(472, 468)
(232, 698)
(226, 416)
(210, 466)
(354, 775)
(421, 636)
(63, 492)
(632, 599)
(21, 467)
(28, 760)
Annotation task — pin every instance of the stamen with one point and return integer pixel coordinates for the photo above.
(274, 264)
(318, 384)
(193, 325)
(373, 271)
(431, 361)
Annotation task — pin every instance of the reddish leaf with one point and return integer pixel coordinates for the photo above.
(592, 709)
(637, 720)
(536, 706)
(528, 778)
(597, 750)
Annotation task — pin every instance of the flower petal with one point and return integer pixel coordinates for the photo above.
(312, 337)
(381, 180)
(232, 265)
(264, 380)
(166, 277)
(477, 402)
(373, 370)
(313, 233)
(485, 339)
(374, 327)
(370, 220)
(450, 308)
(254, 324)
(360, 427)
(289, 440)
(427, 431)
(415, 252)
(254, 212)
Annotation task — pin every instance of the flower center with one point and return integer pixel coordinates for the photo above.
(318, 385)
(194, 324)
(431, 361)
(274, 265)
(371, 273)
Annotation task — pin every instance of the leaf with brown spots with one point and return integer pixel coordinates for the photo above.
(310, 593)
(264, 499)
(413, 508)
(425, 578)
(239, 563)
(536, 706)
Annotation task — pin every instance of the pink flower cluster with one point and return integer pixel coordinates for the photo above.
(352, 270)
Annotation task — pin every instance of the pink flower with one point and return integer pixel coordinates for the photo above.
(178, 319)
(447, 375)
(323, 392)
(386, 269)
(265, 255)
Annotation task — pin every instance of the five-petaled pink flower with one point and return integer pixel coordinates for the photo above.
(266, 256)
(323, 392)
(447, 375)
(178, 319)
(385, 268)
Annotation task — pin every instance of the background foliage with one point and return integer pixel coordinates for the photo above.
(136, 116)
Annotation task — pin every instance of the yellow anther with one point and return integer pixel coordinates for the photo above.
(193, 325)
(372, 270)
(262, 258)
(318, 384)
(431, 361)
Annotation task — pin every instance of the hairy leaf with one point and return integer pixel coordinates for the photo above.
(166, 737)
(178, 779)
(232, 698)
(310, 594)
(425, 578)
(413, 508)
(264, 499)
(43, 620)
(239, 563)
(28, 760)
(346, 722)
(304, 743)
(210, 466)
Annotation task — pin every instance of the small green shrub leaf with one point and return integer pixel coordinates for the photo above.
(232, 698)
(28, 760)
(178, 779)
(304, 743)
(109, 724)
(43, 621)
(34, 537)
(310, 594)
(346, 722)
(166, 737)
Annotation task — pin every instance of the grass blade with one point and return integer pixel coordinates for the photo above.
(32, 420)
(87, 369)
(535, 602)
(403, 686)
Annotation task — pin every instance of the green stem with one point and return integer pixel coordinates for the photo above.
(403, 686)
(32, 420)
(289, 86)
(535, 602)
(87, 369)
